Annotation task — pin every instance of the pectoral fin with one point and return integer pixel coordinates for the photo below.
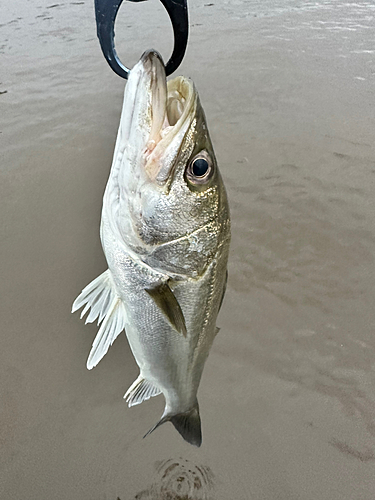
(167, 302)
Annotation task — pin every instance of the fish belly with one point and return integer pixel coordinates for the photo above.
(164, 356)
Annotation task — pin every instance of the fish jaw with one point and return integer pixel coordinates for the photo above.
(144, 107)
(155, 118)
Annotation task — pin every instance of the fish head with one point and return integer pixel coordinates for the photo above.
(173, 207)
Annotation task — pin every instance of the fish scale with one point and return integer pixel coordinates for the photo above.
(165, 232)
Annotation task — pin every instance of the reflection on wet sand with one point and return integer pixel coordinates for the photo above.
(180, 480)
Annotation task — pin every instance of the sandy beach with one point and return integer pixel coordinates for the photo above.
(287, 398)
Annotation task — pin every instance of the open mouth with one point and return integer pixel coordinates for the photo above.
(169, 100)
(168, 107)
(176, 102)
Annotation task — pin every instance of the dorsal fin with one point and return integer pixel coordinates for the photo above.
(168, 304)
(101, 296)
(97, 295)
(112, 326)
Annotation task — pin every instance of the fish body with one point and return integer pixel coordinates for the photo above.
(165, 232)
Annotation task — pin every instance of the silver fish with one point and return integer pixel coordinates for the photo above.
(165, 232)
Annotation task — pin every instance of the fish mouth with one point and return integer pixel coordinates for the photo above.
(161, 112)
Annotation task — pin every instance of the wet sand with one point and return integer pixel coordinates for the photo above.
(287, 397)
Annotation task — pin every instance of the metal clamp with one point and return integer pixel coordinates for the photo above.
(105, 13)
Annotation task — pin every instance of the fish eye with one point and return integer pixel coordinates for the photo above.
(200, 169)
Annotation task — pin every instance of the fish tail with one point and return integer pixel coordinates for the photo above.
(188, 424)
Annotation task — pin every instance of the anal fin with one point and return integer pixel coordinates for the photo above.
(140, 390)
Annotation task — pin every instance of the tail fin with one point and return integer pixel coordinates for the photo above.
(188, 424)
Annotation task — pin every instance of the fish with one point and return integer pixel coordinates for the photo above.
(165, 233)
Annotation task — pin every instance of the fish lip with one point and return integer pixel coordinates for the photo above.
(149, 57)
(153, 70)
(153, 66)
